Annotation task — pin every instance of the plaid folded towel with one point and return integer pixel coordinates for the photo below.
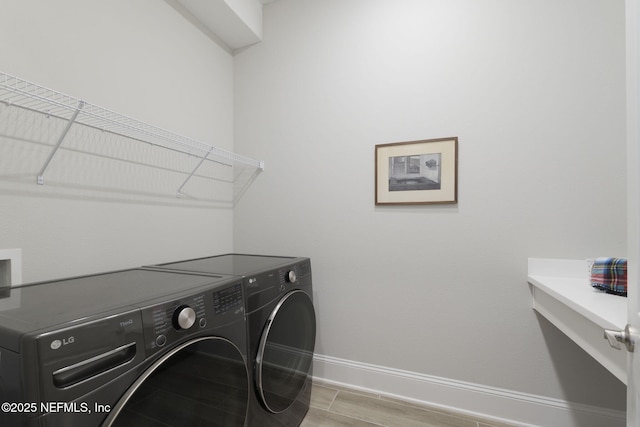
(610, 275)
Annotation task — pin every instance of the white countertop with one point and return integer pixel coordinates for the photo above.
(562, 294)
(568, 281)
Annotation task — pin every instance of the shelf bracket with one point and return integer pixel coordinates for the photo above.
(194, 171)
(73, 118)
(248, 183)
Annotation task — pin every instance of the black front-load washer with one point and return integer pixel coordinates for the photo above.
(281, 326)
(129, 348)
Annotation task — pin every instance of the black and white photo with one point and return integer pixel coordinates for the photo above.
(417, 172)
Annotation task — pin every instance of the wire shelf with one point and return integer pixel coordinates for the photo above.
(18, 92)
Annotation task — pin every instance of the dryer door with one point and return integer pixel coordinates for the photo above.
(202, 382)
(285, 354)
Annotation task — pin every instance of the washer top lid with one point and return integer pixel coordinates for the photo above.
(36, 306)
(232, 264)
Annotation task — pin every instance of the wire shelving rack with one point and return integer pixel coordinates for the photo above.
(18, 92)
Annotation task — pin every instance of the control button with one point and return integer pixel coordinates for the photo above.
(184, 317)
(161, 340)
(291, 276)
(203, 322)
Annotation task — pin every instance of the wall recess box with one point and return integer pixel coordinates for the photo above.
(10, 267)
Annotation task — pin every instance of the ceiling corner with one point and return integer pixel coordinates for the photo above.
(238, 23)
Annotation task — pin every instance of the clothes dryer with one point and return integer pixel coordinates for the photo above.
(129, 348)
(281, 326)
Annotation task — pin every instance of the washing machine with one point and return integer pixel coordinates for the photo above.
(135, 347)
(281, 327)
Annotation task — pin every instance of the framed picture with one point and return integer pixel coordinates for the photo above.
(417, 172)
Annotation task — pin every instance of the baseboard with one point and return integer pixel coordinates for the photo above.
(500, 405)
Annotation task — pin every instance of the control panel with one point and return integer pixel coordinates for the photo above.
(264, 287)
(228, 299)
(292, 275)
(168, 322)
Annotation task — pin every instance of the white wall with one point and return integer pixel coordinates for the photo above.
(535, 92)
(102, 206)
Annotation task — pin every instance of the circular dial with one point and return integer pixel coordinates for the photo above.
(184, 317)
(291, 276)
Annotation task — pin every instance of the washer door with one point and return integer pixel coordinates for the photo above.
(285, 354)
(202, 382)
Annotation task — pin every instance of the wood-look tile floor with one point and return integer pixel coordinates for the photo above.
(333, 406)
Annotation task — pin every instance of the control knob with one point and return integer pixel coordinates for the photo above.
(184, 317)
(291, 276)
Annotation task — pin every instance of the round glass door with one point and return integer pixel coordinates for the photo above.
(200, 383)
(285, 354)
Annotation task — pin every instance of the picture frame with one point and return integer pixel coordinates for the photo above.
(417, 172)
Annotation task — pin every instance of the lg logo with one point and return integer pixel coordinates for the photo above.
(56, 344)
